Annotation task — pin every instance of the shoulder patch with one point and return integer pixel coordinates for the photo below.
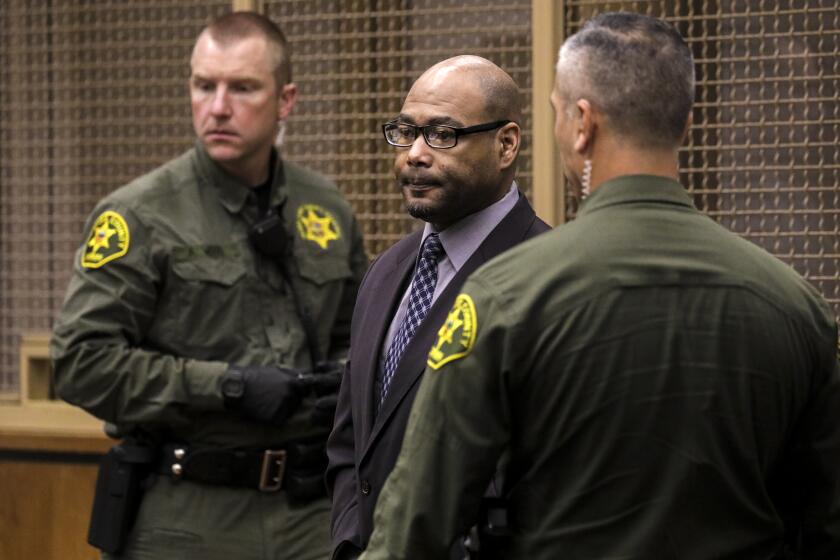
(318, 225)
(457, 335)
(109, 239)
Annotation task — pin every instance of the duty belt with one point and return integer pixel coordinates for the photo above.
(262, 470)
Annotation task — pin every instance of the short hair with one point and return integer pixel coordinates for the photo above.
(635, 69)
(502, 99)
(236, 26)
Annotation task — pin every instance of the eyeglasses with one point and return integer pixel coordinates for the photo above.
(438, 136)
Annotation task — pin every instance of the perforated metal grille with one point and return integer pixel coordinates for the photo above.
(763, 152)
(354, 62)
(92, 94)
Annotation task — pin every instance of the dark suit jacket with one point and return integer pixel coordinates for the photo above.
(363, 446)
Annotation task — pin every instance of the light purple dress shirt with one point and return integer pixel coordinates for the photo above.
(460, 241)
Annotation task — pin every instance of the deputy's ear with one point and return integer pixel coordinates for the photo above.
(510, 138)
(286, 101)
(688, 122)
(586, 126)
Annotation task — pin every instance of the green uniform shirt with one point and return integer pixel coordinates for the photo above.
(662, 388)
(167, 291)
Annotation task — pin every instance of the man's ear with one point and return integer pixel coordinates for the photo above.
(688, 122)
(586, 126)
(510, 138)
(286, 101)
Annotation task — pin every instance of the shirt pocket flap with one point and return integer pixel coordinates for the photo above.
(218, 271)
(323, 270)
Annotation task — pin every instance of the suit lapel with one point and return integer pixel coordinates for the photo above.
(386, 291)
(510, 231)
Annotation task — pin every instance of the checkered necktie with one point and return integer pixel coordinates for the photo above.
(419, 301)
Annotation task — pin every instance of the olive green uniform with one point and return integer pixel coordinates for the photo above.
(167, 292)
(664, 389)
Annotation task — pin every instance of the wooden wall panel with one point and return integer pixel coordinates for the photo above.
(44, 510)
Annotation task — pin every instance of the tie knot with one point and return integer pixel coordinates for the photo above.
(432, 248)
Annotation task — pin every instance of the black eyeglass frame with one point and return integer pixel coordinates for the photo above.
(484, 127)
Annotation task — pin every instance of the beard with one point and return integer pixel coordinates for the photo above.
(452, 196)
(420, 211)
(435, 204)
(429, 205)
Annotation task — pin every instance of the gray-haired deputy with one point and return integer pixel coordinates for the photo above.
(663, 388)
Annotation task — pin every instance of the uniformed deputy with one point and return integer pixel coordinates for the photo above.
(208, 305)
(664, 388)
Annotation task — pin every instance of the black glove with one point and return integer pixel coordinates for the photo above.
(324, 382)
(263, 393)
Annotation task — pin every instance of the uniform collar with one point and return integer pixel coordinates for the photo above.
(636, 188)
(232, 191)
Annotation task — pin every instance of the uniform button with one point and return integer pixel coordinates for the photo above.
(366, 488)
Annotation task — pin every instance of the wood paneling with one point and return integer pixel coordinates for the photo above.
(48, 464)
(44, 510)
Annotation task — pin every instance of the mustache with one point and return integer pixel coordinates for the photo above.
(410, 179)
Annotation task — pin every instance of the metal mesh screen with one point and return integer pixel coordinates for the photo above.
(92, 94)
(354, 61)
(762, 154)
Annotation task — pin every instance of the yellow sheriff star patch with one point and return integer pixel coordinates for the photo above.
(108, 240)
(317, 225)
(457, 335)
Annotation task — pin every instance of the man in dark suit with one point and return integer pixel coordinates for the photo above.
(457, 140)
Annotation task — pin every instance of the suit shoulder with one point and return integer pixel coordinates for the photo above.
(537, 227)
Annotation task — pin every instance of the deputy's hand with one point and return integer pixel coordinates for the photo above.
(323, 412)
(325, 381)
(266, 394)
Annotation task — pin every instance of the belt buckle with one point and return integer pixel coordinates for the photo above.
(273, 460)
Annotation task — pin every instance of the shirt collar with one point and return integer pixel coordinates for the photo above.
(233, 192)
(461, 239)
(636, 188)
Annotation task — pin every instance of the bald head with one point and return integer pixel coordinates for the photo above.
(458, 140)
(499, 92)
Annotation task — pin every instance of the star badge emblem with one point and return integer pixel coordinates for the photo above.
(316, 224)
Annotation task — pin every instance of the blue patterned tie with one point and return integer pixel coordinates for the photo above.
(419, 301)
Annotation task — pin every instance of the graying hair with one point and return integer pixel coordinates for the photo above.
(635, 69)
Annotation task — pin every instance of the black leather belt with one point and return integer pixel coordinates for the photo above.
(262, 470)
